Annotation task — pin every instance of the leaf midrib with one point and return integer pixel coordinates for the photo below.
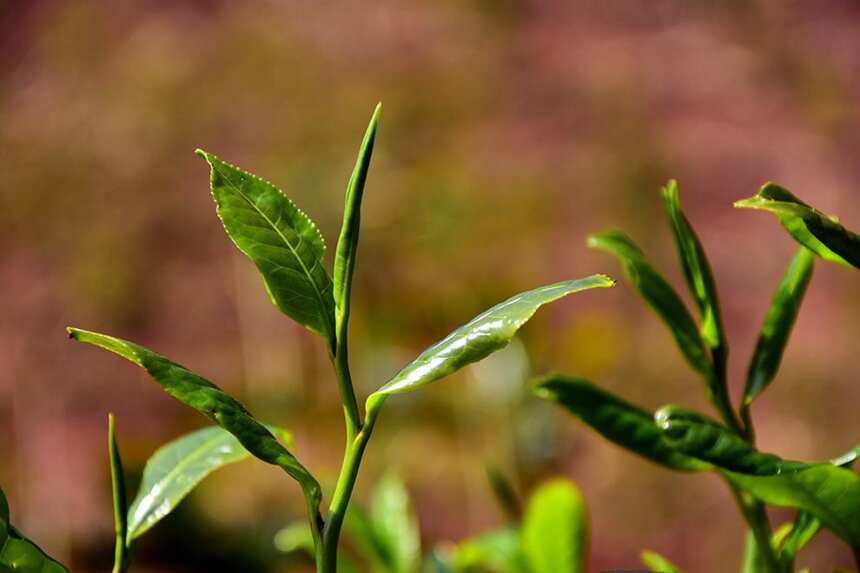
(283, 237)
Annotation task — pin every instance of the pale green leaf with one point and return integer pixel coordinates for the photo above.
(555, 529)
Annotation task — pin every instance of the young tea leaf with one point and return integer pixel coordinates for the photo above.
(203, 396)
(656, 562)
(777, 325)
(616, 420)
(496, 551)
(707, 440)
(488, 332)
(817, 232)
(17, 553)
(175, 469)
(120, 502)
(395, 524)
(555, 529)
(659, 295)
(347, 244)
(697, 271)
(280, 239)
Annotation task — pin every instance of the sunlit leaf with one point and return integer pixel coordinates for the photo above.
(817, 232)
(488, 332)
(697, 271)
(17, 553)
(203, 396)
(176, 468)
(555, 529)
(347, 244)
(656, 562)
(280, 239)
(777, 325)
(659, 295)
(615, 419)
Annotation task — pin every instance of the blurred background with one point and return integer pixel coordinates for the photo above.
(510, 130)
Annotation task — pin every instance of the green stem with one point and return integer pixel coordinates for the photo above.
(120, 505)
(754, 514)
(340, 499)
(720, 396)
(340, 361)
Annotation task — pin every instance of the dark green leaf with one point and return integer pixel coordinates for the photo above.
(280, 239)
(347, 244)
(817, 232)
(659, 295)
(176, 468)
(697, 271)
(203, 396)
(17, 553)
(617, 420)
(488, 332)
(120, 502)
(555, 529)
(778, 324)
(702, 438)
(656, 562)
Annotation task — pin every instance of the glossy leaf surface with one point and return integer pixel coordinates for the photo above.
(697, 270)
(656, 562)
(617, 420)
(280, 239)
(659, 295)
(705, 439)
(176, 468)
(814, 230)
(555, 529)
(203, 396)
(347, 244)
(778, 323)
(490, 331)
(17, 553)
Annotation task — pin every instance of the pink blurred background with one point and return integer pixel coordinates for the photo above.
(510, 130)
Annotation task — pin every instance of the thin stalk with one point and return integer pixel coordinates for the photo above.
(721, 399)
(120, 503)
(340, 499)
(340, 361)
(754, 514)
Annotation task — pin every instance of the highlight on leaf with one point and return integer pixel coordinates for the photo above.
(488, 332)
(821, 234)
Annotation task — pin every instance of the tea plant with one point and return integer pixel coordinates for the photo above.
(824, 494)
(288, 251)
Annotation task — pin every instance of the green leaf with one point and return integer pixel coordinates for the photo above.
(828, 492)
(280, 239)
(486, 333)
(395, 524)
(120, 502)
(801, 532)
(616, 420)
(203, 396)
(702, 438)
(817, 232)
(347, 244)
(295, 537)
(754, 560)
(659, 295)
(777, 325)
(495, 551)
(176, 468)
(697, 271)
(17, 553)
(555, 529)
(656, 562)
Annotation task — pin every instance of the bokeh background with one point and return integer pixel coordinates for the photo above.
(510, 130)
